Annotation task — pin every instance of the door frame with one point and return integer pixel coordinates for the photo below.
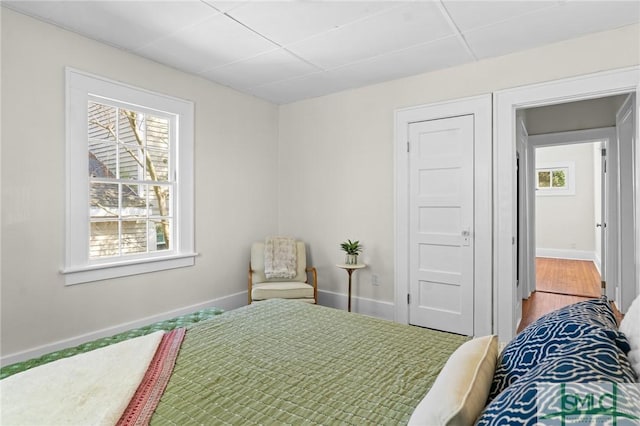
(480, 108)
(506, 102)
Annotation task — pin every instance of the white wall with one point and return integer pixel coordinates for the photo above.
(236, 203)
(566, 222)
(336, 153)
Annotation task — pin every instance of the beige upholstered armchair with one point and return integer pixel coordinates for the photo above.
(298, 287)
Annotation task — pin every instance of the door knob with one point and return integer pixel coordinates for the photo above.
(466, 233)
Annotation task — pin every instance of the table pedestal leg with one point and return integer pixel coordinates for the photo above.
(349, 271)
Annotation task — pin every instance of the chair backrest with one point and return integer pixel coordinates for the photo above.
(257, 264)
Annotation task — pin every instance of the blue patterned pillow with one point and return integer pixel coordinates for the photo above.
(596, 358)
(550, 333)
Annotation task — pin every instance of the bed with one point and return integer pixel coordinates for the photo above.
(281, 361)
(287, 362)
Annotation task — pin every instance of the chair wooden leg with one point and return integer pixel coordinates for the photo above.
(250, 285)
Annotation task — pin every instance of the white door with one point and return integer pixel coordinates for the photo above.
(441, 228)
(601, 214)
(625, 132)
(522, 230)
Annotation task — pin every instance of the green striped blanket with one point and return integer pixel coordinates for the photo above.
(287, 362)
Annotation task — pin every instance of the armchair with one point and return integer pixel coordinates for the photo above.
(298, 287)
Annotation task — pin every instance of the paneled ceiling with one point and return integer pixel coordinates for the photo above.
(288, 51)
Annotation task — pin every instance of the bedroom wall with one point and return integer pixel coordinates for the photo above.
(336, 152)
(566, 222)
(236, 186)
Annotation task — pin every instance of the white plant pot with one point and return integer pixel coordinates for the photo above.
(351, 259)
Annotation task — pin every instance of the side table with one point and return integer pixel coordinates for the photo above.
(350, 269)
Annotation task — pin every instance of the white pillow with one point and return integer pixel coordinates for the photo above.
(461, 389)
(630, 326)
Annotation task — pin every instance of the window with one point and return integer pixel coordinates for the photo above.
(129, 180)
(555, 179)
(552, 178)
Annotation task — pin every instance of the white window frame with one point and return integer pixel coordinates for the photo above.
(568, 189)
(78, 267)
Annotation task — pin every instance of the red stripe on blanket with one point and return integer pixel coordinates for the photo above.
(148, 394)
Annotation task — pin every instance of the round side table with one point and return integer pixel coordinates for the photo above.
(350, 268)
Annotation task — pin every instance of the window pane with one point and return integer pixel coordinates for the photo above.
(130, 124)
(101, 122)
(104, 240)
(559, 179)
(134, 200)
(157, 132)
(158, 165)
(159, 234)
(103, 199)
(102, 160)
(544, 179)
(159, 200)
(131, 162)
(134, 236)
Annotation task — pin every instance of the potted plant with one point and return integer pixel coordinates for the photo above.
(352, 250)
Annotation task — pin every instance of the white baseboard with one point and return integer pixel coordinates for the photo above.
(361, 305)
(227, 303)
(596, 261)
(566, 254)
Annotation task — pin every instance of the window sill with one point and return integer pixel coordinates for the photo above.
(91, 273)
(555, 193)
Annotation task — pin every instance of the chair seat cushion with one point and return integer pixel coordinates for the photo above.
(282, 290)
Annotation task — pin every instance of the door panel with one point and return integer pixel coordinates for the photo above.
(441, 224)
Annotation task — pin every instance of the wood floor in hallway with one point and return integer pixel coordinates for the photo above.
(567, 276)
(560, 282)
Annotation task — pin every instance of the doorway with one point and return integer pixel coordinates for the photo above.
(572, 196)
(506, 103)
(569, 199)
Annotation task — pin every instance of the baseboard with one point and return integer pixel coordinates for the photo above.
(227, 303)
(566, 254)
(361, 305)
(596, 261)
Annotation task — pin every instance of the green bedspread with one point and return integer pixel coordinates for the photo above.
(286, 362)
